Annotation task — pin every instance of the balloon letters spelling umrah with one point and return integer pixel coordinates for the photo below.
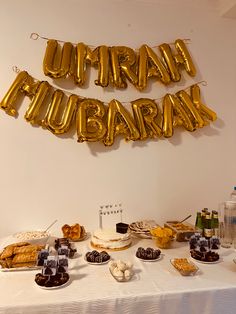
(117, 64)
(96, 121)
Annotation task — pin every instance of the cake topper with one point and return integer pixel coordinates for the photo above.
(110, 209)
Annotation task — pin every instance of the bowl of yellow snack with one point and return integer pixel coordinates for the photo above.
(162, 237)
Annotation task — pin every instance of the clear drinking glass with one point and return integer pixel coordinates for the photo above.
(228, 224)
(225, 235)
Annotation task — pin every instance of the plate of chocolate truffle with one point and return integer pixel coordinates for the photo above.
(54, 273)
(54, 282)
(149, 254)
(97, 258)
(204, 250)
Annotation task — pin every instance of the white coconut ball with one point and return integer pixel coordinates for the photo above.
(118, 273)
(121, 265)
(127, 273)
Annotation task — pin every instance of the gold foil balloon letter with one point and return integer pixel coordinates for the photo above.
(119, 120)
(189, 107)
(174, 113)
(89, 123)
(37, 102)
(123, 62)
(184, 57)
(56, 66)
(150, 65)
(145, 114)
(170, 62)
(8, 101)
(52, 121)
(203, 109)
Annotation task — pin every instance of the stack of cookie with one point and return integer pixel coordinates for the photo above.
(142, 228)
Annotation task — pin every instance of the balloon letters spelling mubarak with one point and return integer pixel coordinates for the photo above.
(118, 64)
(96, 121)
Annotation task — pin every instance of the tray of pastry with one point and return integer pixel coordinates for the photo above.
(184, 266)
(20, 256)
(182, 231)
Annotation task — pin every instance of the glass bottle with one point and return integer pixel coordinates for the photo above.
(198, 223)
(215, 223)
(203, 214)
(208, 226)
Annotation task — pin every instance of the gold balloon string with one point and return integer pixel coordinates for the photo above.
(36, 36)
(17, 70)
(203, 83)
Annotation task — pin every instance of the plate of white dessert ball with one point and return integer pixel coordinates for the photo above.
(120, 270)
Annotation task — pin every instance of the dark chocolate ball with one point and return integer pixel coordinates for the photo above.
(149, 250)
(95, 253)
(103, 252)
(138, 254)
(105, 257)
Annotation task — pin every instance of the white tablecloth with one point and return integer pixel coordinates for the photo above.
(156, 287)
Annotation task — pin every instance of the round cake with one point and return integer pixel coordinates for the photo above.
(110, 239)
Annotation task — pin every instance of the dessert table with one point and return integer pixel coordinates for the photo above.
(156, 287)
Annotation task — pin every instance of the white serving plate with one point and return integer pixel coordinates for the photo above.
(85, 237)
(203, 262)
(56, 287)
(102, 263)
(151, 260)
(20, 268)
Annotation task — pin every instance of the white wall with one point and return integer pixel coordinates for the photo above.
(43, 177)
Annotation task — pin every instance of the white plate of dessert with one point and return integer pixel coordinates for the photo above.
(97, 263)
(97, 258)
(121, 271)
(54, 287)
(148, 255)
(151, 260)
(205, 262)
